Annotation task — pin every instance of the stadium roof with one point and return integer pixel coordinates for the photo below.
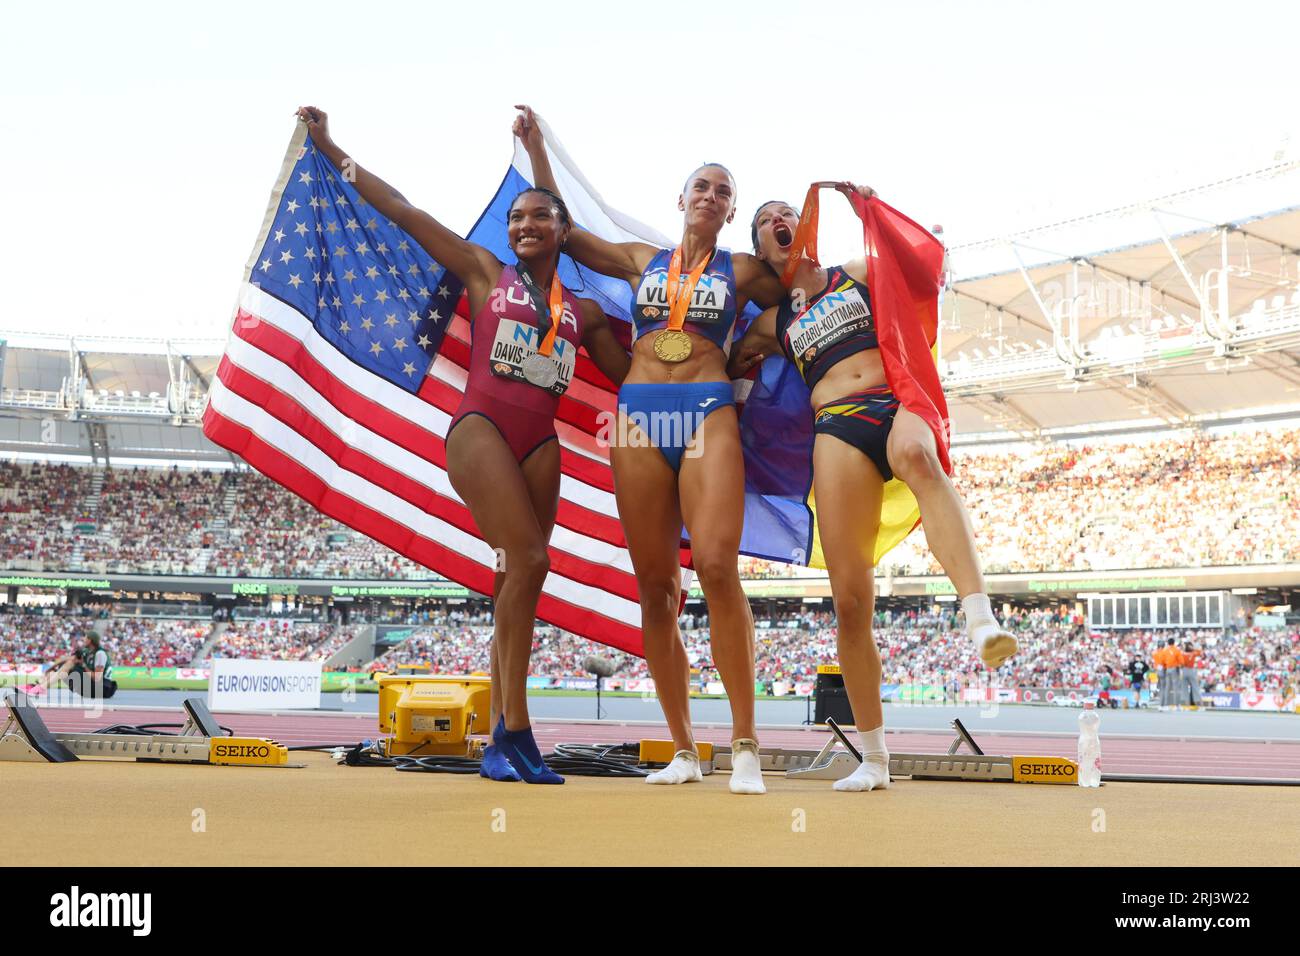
(1174, 311)
(1183, 307)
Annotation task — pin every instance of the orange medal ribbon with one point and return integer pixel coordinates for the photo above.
(680, 296)
(805, 236)
(557, 313)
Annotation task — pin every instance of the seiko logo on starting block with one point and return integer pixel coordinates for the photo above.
(1060, 770)
(248, 751)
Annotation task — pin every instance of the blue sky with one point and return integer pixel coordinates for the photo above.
(140, 141)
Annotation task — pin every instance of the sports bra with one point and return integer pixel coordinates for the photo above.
(836, 323)
(507, 331)
(712, 312)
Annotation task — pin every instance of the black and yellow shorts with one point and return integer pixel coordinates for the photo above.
(864, 420)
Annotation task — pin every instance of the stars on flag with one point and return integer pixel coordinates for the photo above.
(326, 224)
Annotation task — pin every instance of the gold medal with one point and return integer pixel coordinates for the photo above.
(673, 346)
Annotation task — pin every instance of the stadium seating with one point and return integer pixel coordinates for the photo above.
(1175, 502)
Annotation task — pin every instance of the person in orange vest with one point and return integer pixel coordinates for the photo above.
(1191, 676)
(1170, 661)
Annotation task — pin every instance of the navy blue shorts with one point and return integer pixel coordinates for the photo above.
(864, 420)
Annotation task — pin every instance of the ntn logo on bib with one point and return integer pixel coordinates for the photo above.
(515, 342)
(828, 320)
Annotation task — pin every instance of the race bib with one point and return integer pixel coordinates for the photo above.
(516, 341)
(831, 319)
(708, 304)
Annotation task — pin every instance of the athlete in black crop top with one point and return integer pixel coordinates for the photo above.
(826, 327)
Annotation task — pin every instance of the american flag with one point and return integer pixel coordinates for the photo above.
(346, 360)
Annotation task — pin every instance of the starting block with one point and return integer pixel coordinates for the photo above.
(25, 737)
(831, 763)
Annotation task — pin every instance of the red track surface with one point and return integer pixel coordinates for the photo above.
(1122, 755)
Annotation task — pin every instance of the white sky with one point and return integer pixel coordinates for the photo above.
(139, 141)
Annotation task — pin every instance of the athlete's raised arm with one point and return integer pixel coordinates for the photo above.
(599, 341)
(622, 260)
(856, 268)
(472, 264)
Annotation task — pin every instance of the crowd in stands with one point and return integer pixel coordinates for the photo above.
(1197, 501)
(1057, 649)
(173, 521)
(145, 642)
(1174, 502)
(271, 640)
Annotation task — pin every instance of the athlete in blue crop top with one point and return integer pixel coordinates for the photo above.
(678, 398)
(827, 328)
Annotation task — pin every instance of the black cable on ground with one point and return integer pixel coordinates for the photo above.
(149, 730)
(598, 760)
(576, 760)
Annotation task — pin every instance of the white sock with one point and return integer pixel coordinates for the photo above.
(993, 643)
(873, 774)
(684, 768)
(746, 769)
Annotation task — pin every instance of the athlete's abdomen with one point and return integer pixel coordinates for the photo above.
(853, 373)
(706, 363)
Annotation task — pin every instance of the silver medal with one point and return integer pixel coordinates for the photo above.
(540, 370)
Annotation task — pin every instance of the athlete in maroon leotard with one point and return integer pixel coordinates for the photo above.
(500, 456)
(504, 333)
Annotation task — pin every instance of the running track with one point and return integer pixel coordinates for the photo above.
(1166, 756)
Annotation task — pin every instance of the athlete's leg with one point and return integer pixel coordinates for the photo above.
(848, 490)
(914, 459)
(712, 485)
(645, 488)
(484, 473)
(542, 475)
